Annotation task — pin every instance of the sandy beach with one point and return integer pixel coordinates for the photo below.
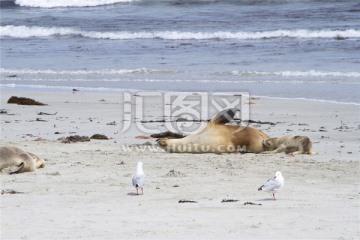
(85, 191)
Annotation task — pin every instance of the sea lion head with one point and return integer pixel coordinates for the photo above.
(39, 163)
(162, 142)
(270, 144)
(166, 144)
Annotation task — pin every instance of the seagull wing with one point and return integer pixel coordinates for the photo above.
(139, 180)
(270, 185)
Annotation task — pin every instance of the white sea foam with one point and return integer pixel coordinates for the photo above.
(129, 75)
(35, 31)
(311, 100)
(84, 72)
(67, 3)
(310, 73)
(61, 88)
(169, 81)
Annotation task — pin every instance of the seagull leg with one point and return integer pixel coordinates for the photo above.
(274, 196)
(137, 191)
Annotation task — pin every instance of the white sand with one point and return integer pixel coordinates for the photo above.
(84, 192)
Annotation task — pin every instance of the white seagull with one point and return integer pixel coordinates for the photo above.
(138, 180)
(273, 185)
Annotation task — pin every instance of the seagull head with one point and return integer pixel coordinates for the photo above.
(278, 176)
(139, 168)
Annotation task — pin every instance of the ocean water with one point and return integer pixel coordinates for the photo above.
(277, 48)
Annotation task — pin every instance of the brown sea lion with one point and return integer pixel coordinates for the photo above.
(217, 137)
(16, 157)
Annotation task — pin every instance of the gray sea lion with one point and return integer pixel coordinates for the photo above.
(288, 144)
(16, 157)
(217, 137)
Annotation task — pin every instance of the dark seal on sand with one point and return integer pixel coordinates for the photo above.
(24, 101)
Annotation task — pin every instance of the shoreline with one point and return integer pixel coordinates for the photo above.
(43, 88)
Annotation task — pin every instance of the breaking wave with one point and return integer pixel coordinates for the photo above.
(35, 31)
(67, 3)
(167, 75)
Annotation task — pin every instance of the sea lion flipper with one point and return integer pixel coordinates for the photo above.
(19, 168)
(167, 134)
(225, 116)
